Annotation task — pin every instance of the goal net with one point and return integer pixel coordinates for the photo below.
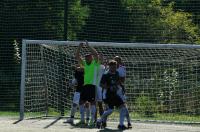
(161, 80)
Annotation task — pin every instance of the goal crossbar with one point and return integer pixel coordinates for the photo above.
(115, 44)
(161, 78)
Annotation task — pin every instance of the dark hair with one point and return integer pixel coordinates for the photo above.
(87, 55)
(112, 62)
(117, 58)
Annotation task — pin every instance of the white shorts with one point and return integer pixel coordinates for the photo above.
(99, 94)
(121, 94)
(76, 98)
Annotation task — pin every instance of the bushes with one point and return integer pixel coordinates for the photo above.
(145, 106)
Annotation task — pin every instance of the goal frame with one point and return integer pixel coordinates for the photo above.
(76, 43)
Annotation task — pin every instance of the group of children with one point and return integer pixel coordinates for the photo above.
(98, 83)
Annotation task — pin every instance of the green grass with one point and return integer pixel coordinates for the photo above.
(9, 114)
(164, 117)
(168, 117)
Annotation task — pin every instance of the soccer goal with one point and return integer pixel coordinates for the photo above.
(163, 80)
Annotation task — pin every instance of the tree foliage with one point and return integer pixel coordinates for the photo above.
(77, 14)
(159, 23)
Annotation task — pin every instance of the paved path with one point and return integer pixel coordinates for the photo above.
(57, 125)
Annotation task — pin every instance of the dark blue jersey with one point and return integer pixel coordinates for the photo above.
(111, 80)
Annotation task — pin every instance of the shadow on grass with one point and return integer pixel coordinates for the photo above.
(110, 130)
(99, 130)
(17, 121)
(56, 120)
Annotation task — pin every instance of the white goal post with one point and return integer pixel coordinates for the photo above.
(161, 78)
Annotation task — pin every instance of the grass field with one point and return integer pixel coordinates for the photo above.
(173, 118)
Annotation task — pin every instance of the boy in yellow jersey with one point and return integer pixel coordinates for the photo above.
(88, 93)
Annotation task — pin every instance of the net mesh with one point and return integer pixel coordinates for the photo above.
(160, 79)
(149, 21)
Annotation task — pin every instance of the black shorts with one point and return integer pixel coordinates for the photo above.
(113, 101)
(88, 93)
(79, 88)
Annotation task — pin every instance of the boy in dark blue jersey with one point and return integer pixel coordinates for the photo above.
(111, 82)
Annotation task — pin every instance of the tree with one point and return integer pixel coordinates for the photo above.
(38, 19)
(77, 15)
(190, 6)
(107, 21)
(160, 24)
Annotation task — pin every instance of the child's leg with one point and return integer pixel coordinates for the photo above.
(82, 111)
(73, 110)
(122, 115)
(105, 115)
(101, 121)
(121, 94)
(100, 104)
(93, 111)
(76, 99)
(87, 110)
(100, 100)
(105, 109)
(75, 104)
(100, 110)
(127, 115)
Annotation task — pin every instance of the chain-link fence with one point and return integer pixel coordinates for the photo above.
(152, 21)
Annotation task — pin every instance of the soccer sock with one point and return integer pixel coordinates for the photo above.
(106, 108)
(122, 115)
(127, 115)
(82, 112)
(73, 110)
(100, 108)
(106, 114)
(87, 109)
(105, 119)
(95, 116)
(93, 112)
